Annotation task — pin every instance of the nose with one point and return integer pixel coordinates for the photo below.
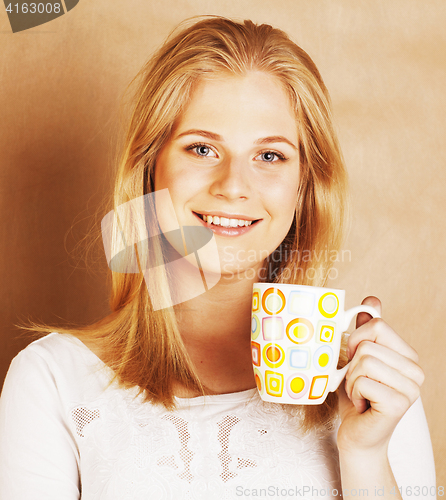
(231, 180)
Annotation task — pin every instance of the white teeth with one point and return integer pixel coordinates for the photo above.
(225, 222)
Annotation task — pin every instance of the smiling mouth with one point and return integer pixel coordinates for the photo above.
(226, 222)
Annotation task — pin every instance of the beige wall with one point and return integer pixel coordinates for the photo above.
(385, 65)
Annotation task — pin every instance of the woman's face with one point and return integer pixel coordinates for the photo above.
(233, 155)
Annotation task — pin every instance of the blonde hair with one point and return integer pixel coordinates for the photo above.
(143, 346)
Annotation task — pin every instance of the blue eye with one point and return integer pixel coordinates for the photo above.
(202, 150)
(270, 157)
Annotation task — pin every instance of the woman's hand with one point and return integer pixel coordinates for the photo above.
(382, 382)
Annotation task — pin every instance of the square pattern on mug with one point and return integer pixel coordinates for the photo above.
(301, 303)
(272, 327)
(298, 358)
(325, 331)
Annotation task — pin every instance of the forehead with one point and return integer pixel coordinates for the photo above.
(255, 104)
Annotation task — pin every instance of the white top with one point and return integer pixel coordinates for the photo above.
(65, 432)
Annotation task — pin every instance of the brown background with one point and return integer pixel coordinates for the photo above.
(384, 63)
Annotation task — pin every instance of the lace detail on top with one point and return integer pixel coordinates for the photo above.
(185, 453)
(82, 417)
(203, 450)
(224, 430)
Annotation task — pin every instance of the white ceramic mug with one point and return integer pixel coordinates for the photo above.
(296, 333)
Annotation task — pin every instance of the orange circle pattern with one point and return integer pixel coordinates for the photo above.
(266, 294)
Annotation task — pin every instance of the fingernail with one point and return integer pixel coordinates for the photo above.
(348, 352)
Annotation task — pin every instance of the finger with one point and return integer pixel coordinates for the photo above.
(361, 404)
(378, 331)
(374, 369)
(383, 399)
(406, 366)
(364, 317)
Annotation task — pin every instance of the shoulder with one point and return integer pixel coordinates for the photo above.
(51, 343)
(38, 451)
(56, 351)
(57, 362)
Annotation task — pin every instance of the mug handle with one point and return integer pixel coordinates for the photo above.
(338, 376)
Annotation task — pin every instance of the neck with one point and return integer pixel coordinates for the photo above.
(216, 330)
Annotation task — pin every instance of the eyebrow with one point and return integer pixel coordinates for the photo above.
(275, 138)
(216, 137)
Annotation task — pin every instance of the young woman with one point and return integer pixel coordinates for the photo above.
(233, 120)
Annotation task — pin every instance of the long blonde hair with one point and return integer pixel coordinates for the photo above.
(143, 346)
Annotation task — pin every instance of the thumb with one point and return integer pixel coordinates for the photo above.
(364, 317)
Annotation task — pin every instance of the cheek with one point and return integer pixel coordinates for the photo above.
(170, 173)
(179, 185)
(291, 204)
(282, 198)
(161, 175)
(165, 170)
(165, 203)
(179, 191)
